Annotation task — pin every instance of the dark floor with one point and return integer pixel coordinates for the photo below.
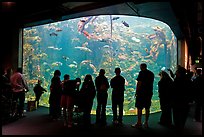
(38, 122)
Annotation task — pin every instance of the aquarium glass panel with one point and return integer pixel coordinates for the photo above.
(84, 45)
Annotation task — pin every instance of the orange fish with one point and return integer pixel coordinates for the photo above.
(86, 34)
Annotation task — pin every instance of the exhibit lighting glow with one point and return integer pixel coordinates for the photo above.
(84, 45)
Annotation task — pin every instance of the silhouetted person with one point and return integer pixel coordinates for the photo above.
(5, 84)
(102, 86)
(189, 74)
(198, 85)
(55, 95)
(8, 74)
(171, 72)
(165, 95)
(144, 92)
(89, 92)
(38, 90)
(117, 83)
(181, 98)
(64, 99)
(78, 97)
(6, 96)
(78, 80)
(19, 87)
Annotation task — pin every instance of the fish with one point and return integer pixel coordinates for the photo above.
(102, 40)
(53, 34)
(93, 67)
(83, 22)
(32, 81)
(72, 65)
(65, 58)
(151, 36)
(93, 19)
(125, 24)
(135, 39)
(115, 18)
(75, 62)
(83, 48)
(105, 40)
(55, 64)
(47, 70)
(58, 29)
(45, 63)
(85, 61)
(86, 34)
(54, 48)
(85, 44)
(106, 46)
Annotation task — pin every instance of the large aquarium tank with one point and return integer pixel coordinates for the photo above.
(84, 45)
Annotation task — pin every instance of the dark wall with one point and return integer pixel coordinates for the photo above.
(10, 24)
(14, 14)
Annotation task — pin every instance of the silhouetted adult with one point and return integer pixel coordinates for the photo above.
(144, 92)
(171, 72)
(198, 85)
(19, 87)
(181, 98)
(68, 99)
(8, 74)
(65, 100)
(78, 83)
(78, 97)
(165, 95)
(117, 83)
(6, 96)
(102, 86)
(5, 84)
(88, 91)
(55, 95)
(38, 90)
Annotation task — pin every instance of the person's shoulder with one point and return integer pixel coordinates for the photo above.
(35, 87)
(16, 74)
(141, 71)
(113, 78)
(150, 72)
(122, 77)
(97, 77)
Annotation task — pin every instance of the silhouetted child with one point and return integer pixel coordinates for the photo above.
(39, 90)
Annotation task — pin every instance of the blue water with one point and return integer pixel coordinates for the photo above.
(77, 52)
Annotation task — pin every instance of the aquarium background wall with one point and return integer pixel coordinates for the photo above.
(85, 45)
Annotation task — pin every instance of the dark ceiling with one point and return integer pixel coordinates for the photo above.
(184, 18)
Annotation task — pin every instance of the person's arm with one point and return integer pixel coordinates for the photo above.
(44, 89)
(97, 83)
(138, 87)
(107, 84)
(123, 84)
(34, 89)
(171, 73)
(24, 83)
